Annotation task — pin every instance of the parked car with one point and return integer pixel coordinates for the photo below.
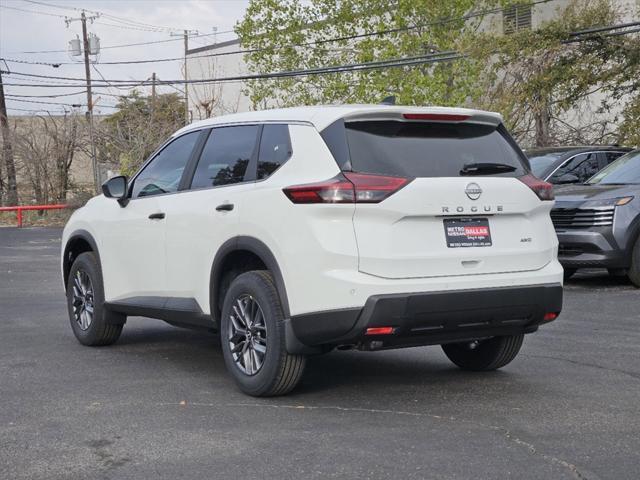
(598, 223)
(561, 165)
(296, 231)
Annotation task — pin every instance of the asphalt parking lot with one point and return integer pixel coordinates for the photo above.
(159, 404)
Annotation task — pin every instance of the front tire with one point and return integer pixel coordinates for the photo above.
(568, 273)
(253, 337)
(484, 355)
(92, 324)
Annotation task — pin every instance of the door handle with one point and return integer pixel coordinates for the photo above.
(156, 216)
(225, 207)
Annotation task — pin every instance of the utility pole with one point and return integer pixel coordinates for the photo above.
(87, 72)
(7, 149)
(186, 78)
(153, 89)
(186, 34)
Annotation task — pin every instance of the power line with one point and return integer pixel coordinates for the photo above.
(123, 45)
(141, 82)
(337, 39)
(75, 105)
(399, 62)
(32, 11)
(581, 33)
(324, 41)
(28, 110)
(122, 19)
(47, 96)
(157, 28)
(101, 47)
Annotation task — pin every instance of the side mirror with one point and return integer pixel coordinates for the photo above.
(116, 187)
(568, 178)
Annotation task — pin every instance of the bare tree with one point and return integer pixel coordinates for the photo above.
(46, 147)
(214, 99)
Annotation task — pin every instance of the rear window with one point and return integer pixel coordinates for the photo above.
(540, 164)
(423, 149)
(275, 149)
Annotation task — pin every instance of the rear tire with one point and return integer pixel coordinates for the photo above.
(486, 355)
(92, 324)
(253, 337)
(568, 273)
(634, 269)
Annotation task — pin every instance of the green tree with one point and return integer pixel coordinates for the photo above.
(543, 80)
(281, 30)
(127, 137)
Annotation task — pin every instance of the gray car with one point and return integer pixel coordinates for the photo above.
(598, 222)
(562, 165)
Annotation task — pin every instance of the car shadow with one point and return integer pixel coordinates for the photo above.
(598, 278)
(351, 373)
(377, 372)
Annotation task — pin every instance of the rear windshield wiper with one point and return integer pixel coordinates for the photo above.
(485, 168)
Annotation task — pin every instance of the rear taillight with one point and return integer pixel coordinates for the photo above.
(347, 187)
(542, 189)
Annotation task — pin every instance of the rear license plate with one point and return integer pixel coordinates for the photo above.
(467, 232)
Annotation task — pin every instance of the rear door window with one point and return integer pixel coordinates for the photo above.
(425, 149)
(612, 156)
(582, 166)
(226, 156)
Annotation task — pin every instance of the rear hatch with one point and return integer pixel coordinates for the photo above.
(469, 207)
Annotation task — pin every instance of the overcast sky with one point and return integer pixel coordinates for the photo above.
(43, 27)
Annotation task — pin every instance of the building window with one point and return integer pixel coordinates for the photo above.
(516, 18)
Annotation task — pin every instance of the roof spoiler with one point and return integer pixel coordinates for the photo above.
(431, 114)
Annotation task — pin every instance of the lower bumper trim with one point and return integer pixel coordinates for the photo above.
(433, 317)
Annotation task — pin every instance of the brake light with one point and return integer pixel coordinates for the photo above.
(548, 317)
(347, 187)
(379, 331)
(542, 189)
(437, 117)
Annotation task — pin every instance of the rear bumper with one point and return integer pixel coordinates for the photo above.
(590, 248)
(428, 318)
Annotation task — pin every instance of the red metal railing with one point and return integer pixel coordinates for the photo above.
(20, 208)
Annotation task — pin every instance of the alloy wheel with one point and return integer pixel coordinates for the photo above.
(247, 335)
(82, 299)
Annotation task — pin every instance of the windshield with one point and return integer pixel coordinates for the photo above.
(625, 170)
(540, 163)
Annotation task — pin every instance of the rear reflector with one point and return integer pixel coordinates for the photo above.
(542, 189)
(550, 316)
(347, 187)
(379, 331)
(436, 117)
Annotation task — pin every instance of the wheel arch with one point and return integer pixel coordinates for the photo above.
(253, 247)
(79, 242)
(634, 236)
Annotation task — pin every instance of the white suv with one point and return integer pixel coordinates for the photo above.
(296, 231)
